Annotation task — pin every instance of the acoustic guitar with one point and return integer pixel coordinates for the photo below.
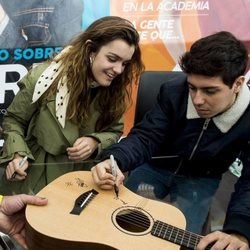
(79, 215)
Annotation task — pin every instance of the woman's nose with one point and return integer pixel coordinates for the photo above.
(118, 68)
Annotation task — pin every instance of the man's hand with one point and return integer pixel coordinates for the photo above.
(12, 217)
(102, 175)
(223, 241)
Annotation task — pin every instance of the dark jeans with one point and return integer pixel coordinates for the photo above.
(41, 22)
(192, 195)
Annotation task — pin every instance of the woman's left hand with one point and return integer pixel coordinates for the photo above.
(82, 148)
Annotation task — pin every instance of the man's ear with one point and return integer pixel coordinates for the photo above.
(238, 83)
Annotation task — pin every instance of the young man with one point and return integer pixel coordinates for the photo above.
(202, 121)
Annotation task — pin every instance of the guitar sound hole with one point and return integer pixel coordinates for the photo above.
(133, 220)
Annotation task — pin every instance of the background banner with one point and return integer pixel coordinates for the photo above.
(30, 31)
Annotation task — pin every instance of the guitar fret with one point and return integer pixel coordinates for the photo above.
(173, 235)
(189, 238)
(171, 231)
(161, 224)
(192, 240)
(196, 242)
(179, 237)
(164, 235)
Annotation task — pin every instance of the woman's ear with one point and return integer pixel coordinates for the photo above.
(88, 50)
(88, 46)
(88, 42)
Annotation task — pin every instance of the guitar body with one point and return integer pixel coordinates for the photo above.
(98, 219)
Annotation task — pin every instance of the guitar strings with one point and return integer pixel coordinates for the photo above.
(137, 217)
(177, 235)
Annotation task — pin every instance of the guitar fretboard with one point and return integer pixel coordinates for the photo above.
(176, 235)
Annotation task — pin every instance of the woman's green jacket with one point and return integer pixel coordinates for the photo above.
(32, 129)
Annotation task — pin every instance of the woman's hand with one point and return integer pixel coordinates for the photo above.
(14, 167)
(82, 149)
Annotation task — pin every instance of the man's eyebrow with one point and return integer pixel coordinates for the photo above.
(208, 87)
(190, 84)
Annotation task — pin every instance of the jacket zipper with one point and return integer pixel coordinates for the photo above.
(205, 125)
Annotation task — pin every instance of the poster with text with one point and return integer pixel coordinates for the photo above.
(31, 31)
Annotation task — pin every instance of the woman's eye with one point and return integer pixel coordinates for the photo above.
(111, 59)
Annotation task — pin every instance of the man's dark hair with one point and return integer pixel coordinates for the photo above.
(220, 54)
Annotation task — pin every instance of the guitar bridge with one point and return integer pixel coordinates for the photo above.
(83, 200)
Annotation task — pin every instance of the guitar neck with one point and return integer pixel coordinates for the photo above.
(176, 235)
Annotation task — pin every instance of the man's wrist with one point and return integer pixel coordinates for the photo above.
(241, 237)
